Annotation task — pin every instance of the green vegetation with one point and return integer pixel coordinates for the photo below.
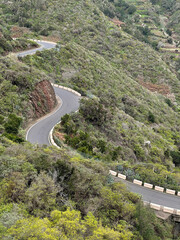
(48, 193)
(119, 116)
(7, 44)
(131, 96)
(67, 225)
(11, 128)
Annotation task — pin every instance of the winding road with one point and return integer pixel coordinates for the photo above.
(43, 45)
(39, 134)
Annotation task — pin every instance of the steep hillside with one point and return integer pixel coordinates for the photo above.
(25, 92)
(129, 80)
(120, 113)
(127, 77)
(97, 33)
(19, 85)
(47, 193)
(128, 120)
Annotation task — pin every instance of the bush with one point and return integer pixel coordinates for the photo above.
(1, 119)
(14, 137)
(151, 117)
(176, 157)
(13, 124)
(168, 101)
(93, 111)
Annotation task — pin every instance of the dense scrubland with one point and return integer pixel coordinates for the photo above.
(131, 96)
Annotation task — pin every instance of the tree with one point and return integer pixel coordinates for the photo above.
(151, 117)
(154, 2)
(93, 111)
(170, 41)
(149, 226)
(13, 123)
(169, 32)
(176, 157)
(102, 145)
(33, 228)
(41, 196)
(67, 225)
(131, 9)
(65, 119)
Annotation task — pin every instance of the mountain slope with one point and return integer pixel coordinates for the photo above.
(128, 120)
(111, 67)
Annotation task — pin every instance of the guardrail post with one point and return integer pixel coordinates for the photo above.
(160, 189)
(137, 182)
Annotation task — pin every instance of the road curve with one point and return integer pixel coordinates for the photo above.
(43, 45)
(39, 134)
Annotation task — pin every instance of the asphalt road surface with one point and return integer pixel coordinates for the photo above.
(39, 133)
(43, 45)
(153, 196)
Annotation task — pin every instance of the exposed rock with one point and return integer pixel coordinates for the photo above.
(147, 144)
(42, 99)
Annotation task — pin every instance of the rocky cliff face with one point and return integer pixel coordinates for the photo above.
(42, 99)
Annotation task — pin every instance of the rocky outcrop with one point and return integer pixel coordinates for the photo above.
(42, 99)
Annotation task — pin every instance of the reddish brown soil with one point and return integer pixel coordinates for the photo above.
(162, 89)
(60, 135)
(50, 39)
(19, 31)
(117, 22)
(43, 99)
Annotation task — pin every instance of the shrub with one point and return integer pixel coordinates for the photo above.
(13, 124)
(14, 137)
(151, 117)
(168, 101)
(1, 119)
(93, 111)
(176, 157)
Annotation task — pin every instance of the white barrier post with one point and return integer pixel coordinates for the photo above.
(178, 194)
(121, 176)
(113, 172)
(137, 182)
(148, 185)
(146, 203)
(170, 191)
(168, 210)
(67, 89)
(178, 212)
(160, 189)
(155, 206)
